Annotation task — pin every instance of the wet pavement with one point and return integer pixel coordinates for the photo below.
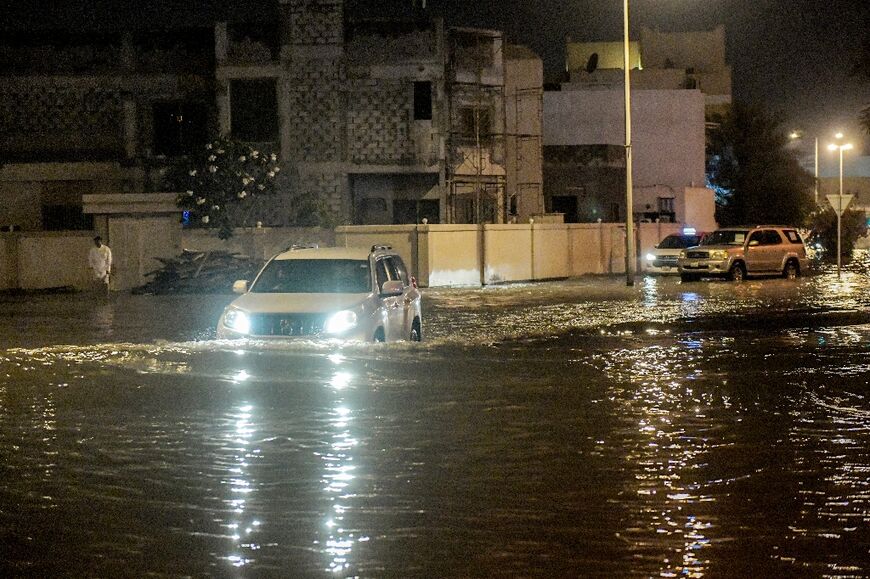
(577, 428)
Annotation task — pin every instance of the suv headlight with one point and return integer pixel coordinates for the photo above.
(340, 322)
(237, 321)
(650, 257)
(719, 254)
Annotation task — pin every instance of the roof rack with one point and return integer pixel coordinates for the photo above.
(381, 248)
(298, 246)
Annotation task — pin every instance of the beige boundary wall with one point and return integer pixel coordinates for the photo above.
(438, 255)
(446, 255)
(42, 260)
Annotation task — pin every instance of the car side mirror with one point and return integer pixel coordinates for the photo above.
(753, 243)
(240, 286)
(392, 288)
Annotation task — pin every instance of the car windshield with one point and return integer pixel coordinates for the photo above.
(314, 276)
(679, 241)
(728, 237)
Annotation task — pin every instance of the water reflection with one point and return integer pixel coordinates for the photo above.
(654, 386)
(241, 526)
(339, 468)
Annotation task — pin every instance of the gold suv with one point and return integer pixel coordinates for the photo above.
(738, 252)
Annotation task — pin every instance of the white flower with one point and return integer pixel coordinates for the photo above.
(261, 186)
(246, 180)
(243, 159)
(273, 156)
(255, 154)
(200, 200)
(211, 157)
(216, 207)
(220, 151)
(276, 169)
(212, 169)
(205, 218)
(192, 173)
(270, 174)
(189, 193)
(208, 146)
(242, 194)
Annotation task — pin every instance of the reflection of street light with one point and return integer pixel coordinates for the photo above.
(629, 214)
(841, 148)
(797, 135)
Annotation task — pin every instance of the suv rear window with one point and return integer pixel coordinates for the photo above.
(792, 236)
(314, 276)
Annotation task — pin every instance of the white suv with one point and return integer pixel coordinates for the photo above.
(335, 292)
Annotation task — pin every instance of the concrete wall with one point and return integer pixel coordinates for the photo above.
(45, 260)
(261, 243)
(448, 255)
(667, 130)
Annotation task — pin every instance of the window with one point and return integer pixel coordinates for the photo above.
(474, 121)
(793, 236)
(381, 271)
(423, 101)
(254, 110)
(400, 270)
(396, 269)
(757, 238)
(771, 237)
(314, 276)
(179, 128)
(666, 204)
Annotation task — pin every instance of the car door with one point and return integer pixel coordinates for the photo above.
(754, 254)
(390, 305)
(409, 299)
(397, 310)
(773, 250)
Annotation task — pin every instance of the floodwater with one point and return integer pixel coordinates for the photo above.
(565, 429)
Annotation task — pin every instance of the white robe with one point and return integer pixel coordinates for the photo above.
(100, 260)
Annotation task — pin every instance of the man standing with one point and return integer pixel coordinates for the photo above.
(100, 260)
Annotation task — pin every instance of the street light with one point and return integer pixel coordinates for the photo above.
(629, 203)
(841, 148)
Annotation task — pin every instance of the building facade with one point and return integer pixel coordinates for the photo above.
(388, 116)
(677, 81)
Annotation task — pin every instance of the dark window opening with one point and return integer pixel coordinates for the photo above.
(474, 121)
(179, 128)
(567, 205)
(66, 217)
(423, 101)
(407, 211)
(254, 110)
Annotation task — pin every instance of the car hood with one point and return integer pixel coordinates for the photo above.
(713, 247)
(257, 303)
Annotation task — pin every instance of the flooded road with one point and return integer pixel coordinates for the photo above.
(565, 429)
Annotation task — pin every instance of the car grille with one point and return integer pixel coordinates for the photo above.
(665, 261)
(697, 254)
(287, 324)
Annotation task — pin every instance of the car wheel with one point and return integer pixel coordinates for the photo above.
(791, 270)
(689, 277)
(416, 332)
(737, 272)
(379, 336)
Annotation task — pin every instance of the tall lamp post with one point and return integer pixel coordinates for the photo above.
(839, 210)
(629, 203)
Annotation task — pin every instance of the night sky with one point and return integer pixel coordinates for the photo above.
(794, 56)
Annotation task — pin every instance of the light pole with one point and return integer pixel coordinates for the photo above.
(839, 209)
(629, 203)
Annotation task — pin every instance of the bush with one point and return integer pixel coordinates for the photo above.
(824, 230)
